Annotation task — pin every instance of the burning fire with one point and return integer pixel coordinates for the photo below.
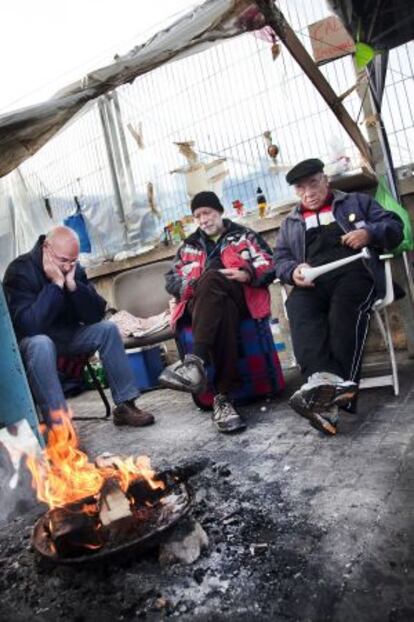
(63, 474)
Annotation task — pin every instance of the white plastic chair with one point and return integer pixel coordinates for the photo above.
(381, 315)
(379, 309)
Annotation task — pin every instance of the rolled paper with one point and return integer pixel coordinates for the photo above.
(311, 274)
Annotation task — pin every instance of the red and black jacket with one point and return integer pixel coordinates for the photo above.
(239, 247)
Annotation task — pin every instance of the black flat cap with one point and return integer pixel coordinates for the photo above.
(206, 199)
(304, 169)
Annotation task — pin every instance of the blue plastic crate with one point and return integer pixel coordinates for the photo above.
(146, 365)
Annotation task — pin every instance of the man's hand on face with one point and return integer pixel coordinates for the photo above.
(234, 274)
(298, 278)
(356, 239)
(70, 279)
(52, 271)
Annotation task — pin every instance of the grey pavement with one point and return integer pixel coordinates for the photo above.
(357, 487)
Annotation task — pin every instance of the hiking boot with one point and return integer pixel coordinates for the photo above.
(225, 416)
(128, 414)
(187, 375)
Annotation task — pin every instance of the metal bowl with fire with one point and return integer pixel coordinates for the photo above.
(104, 508)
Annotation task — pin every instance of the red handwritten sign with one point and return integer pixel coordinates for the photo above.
(329, 40)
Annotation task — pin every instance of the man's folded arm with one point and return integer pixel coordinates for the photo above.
(285, 263)
(181, 278)
(261, 266)
(88, 305)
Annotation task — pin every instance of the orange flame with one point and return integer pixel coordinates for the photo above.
(63, 474)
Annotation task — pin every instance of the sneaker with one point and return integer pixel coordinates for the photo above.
(225, 416)
(331, 414)
(324, 420)
(312, 398)
(187, 375)
(345, 392)
(128, 414)
(324, 389)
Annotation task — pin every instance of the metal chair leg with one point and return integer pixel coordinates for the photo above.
(98, 387)
(391, 351)
(385, 330)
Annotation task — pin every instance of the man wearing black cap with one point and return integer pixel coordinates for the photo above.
(220, 276)
(329, 317)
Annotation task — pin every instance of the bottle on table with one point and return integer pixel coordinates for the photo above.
(261, 202)
(238, 207)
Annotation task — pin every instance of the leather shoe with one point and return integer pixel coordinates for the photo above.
(128, 414)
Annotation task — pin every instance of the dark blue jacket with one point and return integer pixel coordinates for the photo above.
(38, 306)
(351, 211)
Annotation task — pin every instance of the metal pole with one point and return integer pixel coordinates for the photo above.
(111, 161)
(383, 164)
(123, 144)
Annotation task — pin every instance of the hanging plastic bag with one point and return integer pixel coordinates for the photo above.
(77, 223)
(384, 197)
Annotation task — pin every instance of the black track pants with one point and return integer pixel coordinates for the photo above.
(329, 324)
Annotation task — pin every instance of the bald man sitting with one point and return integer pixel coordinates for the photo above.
(55, 311)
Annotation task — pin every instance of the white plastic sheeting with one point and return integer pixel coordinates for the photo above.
(21, 219)
(23, 132)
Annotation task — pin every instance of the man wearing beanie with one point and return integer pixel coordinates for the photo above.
(329, 317)
(220, 276)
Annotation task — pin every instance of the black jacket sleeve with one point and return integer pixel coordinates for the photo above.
(284, 258)
(385, 227)
(32, 312)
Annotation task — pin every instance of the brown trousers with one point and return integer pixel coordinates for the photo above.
(216, 310)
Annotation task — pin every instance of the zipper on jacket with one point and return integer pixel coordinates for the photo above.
(302, 222)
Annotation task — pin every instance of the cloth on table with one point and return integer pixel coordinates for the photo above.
(129, 325)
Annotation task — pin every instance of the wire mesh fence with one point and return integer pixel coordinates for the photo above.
(223, 100)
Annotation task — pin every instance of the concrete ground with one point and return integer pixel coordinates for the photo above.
(301, 527)
(357, 488)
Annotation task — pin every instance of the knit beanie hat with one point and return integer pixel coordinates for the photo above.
(206, 199)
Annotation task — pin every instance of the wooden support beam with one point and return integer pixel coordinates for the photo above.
(275, 18)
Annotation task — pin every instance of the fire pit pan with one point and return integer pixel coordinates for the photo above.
(179, 496)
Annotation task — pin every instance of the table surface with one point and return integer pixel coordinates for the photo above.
(355, 180)
(161, 252)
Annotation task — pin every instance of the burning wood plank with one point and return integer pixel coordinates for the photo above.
(114, 505)
(73, 531)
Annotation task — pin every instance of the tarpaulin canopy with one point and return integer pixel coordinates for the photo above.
(379, 23)
(25, 131)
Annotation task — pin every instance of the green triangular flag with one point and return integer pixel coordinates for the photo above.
(384, 197)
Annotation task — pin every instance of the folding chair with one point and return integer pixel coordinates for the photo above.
(141, 291)
(72, 368)
(379, 309)
(381, 315)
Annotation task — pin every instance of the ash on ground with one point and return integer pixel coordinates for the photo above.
(300, 527)
(261, 563)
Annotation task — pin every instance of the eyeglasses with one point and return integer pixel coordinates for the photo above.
(64, 260)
